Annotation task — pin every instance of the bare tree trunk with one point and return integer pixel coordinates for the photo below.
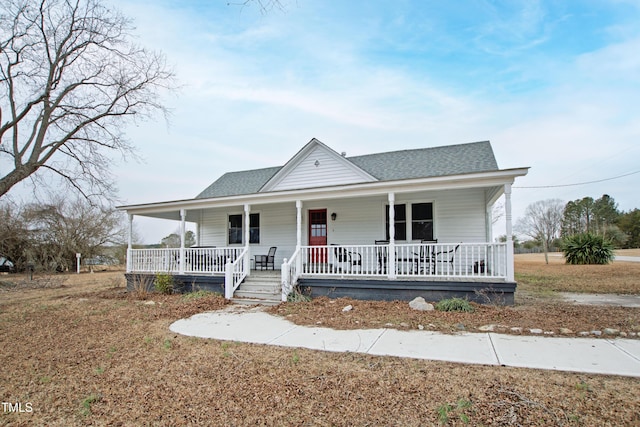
(545, 246)
(71, 78)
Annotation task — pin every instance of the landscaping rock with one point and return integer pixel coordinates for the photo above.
(535, 331)
(566, 331)
(487, 328)
(611, 331)
(347, 308)
(516, 329)
(596, 333)
(419, 303)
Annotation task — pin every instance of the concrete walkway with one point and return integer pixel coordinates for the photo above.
(590, 355)
(627, 258)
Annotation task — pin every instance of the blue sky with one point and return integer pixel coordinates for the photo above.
(554, 85)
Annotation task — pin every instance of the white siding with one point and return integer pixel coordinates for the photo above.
(459, 217)
(277, 228)
(330, 171)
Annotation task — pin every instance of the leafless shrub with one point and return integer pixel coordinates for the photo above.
(491, 297)
(141, 285)
(52, 281)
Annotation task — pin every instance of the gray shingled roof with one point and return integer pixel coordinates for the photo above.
(394, 165)
(236, 183)
(429, 162)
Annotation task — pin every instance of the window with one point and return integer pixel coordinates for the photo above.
(400, 222)
(422, 221)
(235, 229)
(254, 228)
(236, 233)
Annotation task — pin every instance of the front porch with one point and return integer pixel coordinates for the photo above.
(476, 271)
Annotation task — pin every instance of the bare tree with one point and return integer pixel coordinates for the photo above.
(542, 221)
(70, 79)
(61, 228)
(264, 6)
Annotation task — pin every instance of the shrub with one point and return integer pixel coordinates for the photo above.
(164, 283)
(454, 304)
(297, 295)
(140, 286)
(587, 248)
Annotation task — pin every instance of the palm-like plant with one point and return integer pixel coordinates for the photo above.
(587, 248)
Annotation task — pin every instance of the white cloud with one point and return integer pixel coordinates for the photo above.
(256, 88)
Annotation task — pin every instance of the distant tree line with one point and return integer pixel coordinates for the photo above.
(549, 221)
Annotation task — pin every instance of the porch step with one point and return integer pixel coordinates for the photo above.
(261, 287)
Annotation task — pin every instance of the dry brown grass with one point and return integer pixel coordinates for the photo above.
(534, 276)
(86, 353)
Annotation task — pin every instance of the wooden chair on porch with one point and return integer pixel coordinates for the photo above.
(381, 253)
(266, 261)
(444, 257)
(425, 259)
(348, 261)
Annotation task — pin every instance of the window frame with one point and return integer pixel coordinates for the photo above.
(406, 225)
(398, 223)
(254, 231)
(415, 222)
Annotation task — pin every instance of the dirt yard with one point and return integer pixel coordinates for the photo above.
(79, 350)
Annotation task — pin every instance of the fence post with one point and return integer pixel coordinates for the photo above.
(284, 272)
(228, 280)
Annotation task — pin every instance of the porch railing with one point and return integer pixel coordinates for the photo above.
(154, 260)
(290, 272)
(412, 260)
(195, 260)
(441, 260)
(235, 272)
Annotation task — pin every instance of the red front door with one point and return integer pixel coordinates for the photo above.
(318, 234)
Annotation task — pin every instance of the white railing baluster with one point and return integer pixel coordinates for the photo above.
(412, 260)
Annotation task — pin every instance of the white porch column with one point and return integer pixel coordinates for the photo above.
(391, 257)
(507, 214)
(247, 237)
(299, 234)
(130, 243)
(183, 217)
(298, 223)
(488, 223)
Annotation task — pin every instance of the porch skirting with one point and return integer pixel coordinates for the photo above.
(183, 283)
(484, 292)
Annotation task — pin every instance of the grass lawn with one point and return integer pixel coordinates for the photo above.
(77, 350)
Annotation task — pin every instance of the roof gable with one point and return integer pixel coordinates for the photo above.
(316, 165)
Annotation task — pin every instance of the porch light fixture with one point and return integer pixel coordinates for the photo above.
(317, 163)
(334, 216)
